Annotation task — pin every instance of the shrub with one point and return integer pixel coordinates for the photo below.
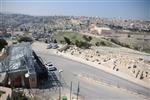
(115, 41)
(129, 35)
(121, 44)
(147, 50)
(46, 41)
(1, 92)
(82, 44)
(87, 38)
(97, 43)
(17, 95)
(25, 39)
(102, 43)
(67, 40)
(55, 41)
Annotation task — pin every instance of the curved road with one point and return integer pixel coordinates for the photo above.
(90, 90)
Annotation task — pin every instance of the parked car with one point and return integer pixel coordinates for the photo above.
(49, 46)
(55, 46)
(50, 67)
(52, 45)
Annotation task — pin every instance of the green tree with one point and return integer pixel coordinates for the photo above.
(129, 35)
(87, 38)
(25, 39)
(81, 44)
(67, 40)
(55, 41)
(90, 38)
(97, 43)
(18, 95)
(103, 43)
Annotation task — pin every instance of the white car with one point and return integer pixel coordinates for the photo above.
(50, 67)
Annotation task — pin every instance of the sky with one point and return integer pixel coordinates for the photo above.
(127, 9)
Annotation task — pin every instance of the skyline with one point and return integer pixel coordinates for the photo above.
(127, 9)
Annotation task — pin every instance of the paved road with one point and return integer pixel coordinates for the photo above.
(88, 89)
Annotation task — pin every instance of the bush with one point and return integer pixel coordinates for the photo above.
(147, 50)
(82, 44)
(129, 35)
(67, 40)
(55, 41)
(25, 39)
(97, 43)
(17, 95)
(125, 45)
(87, 38)
(3, 43)
(46, 41)
(115, 41)
(102, 43)
(119, 43)
(1, 93)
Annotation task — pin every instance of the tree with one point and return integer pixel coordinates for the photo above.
(3, 43)
(25, 39)
(115, 41)
(46, 41)
(87, 38)
(129, 35)
(81, 44)
(67, 40)
(97, 43)
(77, 43)
(102, 43)
(90, 38)
(55, 41)
(18, 95)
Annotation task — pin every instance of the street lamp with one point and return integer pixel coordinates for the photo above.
(60, 71)
(27, 75)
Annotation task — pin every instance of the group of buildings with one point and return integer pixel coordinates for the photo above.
(41, 27)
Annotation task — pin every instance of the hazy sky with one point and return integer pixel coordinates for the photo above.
(136, 9)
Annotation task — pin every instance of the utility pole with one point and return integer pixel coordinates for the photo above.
(70, 90)
(60, 71)
(78, 90)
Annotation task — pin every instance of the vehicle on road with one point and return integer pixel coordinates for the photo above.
(50, 67)
(52, 46)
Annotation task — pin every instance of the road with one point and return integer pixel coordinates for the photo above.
(89, 89)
